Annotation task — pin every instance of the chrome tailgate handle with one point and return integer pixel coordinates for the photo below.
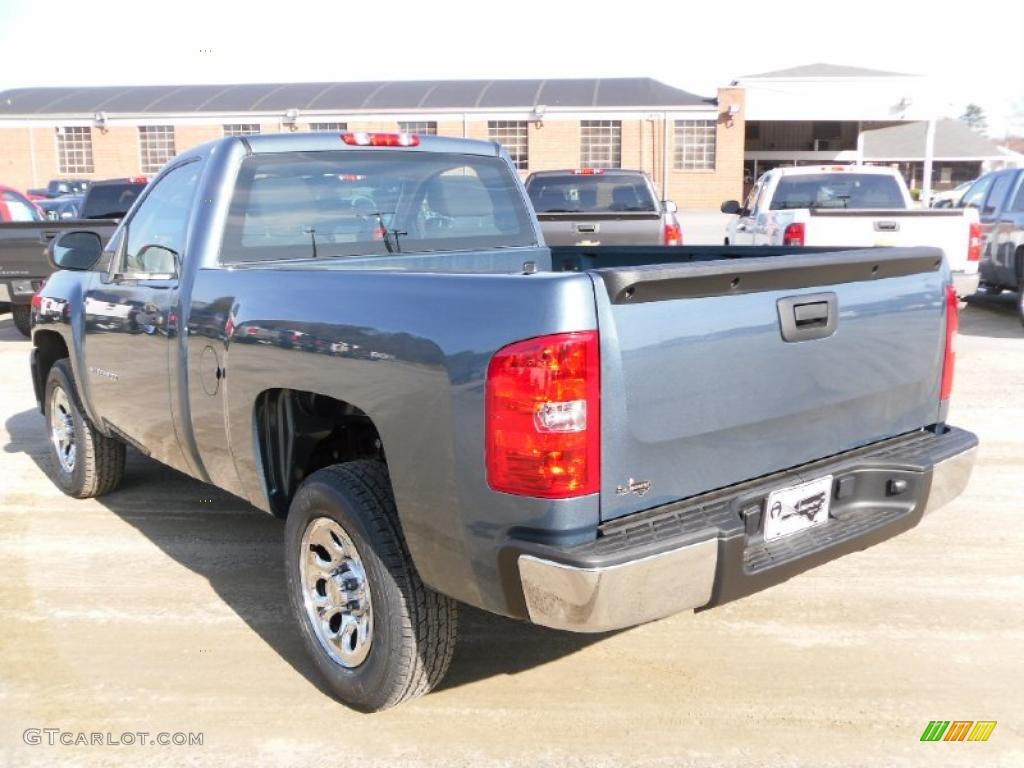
(812, 316)
(588, 227)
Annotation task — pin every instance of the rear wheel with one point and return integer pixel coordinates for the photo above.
(1020, 300)
(86, 463)
(377, 634)
(22, 318)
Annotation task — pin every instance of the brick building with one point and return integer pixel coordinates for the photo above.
(691, 146)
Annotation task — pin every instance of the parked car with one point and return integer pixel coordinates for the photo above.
(59, 188)
(999, 199)
(23, 262)
(950, 198)
(66, 207)
(14, 206)
(852, 206)
(444, 410)
(597, 206)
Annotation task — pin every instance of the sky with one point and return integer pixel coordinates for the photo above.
(696, 47)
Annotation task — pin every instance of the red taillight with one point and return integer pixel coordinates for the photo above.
(974, 243)
(952, 326)
(794, 234)
(364, 139)
(543, 422)
(37, 297)
(673, 234)
(139, 180)
(588, 172)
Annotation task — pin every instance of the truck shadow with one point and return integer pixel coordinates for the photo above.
(7, 330)
(237, 549)
(992, 316)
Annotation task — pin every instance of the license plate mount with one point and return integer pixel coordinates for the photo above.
(796, 508)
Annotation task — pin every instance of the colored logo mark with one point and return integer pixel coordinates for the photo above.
(958, 730)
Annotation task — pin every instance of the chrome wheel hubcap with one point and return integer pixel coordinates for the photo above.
(335, 592)
(62, 429)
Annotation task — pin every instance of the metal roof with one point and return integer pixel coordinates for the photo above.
(827, 70)
(953, 139)
(347, 97)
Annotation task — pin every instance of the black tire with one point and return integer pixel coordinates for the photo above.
(98, 463)
(22, 318)
(987, 289)
(1020, 301)
(413, 629)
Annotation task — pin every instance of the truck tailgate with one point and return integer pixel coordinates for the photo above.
(700, 390)
(946, 229)
(601, 228)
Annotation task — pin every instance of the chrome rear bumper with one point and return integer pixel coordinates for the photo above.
(575, 597)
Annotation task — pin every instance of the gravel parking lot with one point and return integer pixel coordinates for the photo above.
(161, 608)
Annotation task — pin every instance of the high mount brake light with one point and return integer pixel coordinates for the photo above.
(364, 139)
(588, 172)
(543, 422)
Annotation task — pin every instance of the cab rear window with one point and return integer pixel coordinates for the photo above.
(837, 190)
(579, 193)
(301, 205)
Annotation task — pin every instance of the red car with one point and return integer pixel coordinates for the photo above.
(14, 206)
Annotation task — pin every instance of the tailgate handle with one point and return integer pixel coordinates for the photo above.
(47, 235)
(887, 226)
(586, 227)
(802, 318)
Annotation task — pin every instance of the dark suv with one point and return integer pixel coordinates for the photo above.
(999, 198)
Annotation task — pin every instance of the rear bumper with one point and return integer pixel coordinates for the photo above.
(709, 549)
(965, 284)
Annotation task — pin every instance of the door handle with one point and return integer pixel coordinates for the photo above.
(812, 316)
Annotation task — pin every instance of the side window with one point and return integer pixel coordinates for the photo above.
(156, 231)
(1000, 187)
(1018, 202)
(976, 194)
(752, 197)
(761, 201)
(20, 208)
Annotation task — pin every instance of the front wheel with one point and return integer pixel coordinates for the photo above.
(377, 634)
(86, 462)
(22, 318)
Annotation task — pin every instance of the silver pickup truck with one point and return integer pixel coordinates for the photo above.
(599, 206)
(365, 334)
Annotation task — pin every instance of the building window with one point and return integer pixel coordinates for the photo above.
(600, 143)
(695, 145)
(74, 150)
(422, 127)
(328, 127)
(512, 135)
(241, 129)
(156, 145)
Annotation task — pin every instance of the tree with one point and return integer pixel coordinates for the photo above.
(974, 116)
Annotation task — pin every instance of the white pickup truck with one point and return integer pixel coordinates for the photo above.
(853, 206)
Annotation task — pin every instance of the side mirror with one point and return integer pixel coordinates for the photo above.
(730, 207)
(75, 250)
(668, 206)
(158, 260)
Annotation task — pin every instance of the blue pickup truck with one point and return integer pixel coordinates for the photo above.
(364, 334)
